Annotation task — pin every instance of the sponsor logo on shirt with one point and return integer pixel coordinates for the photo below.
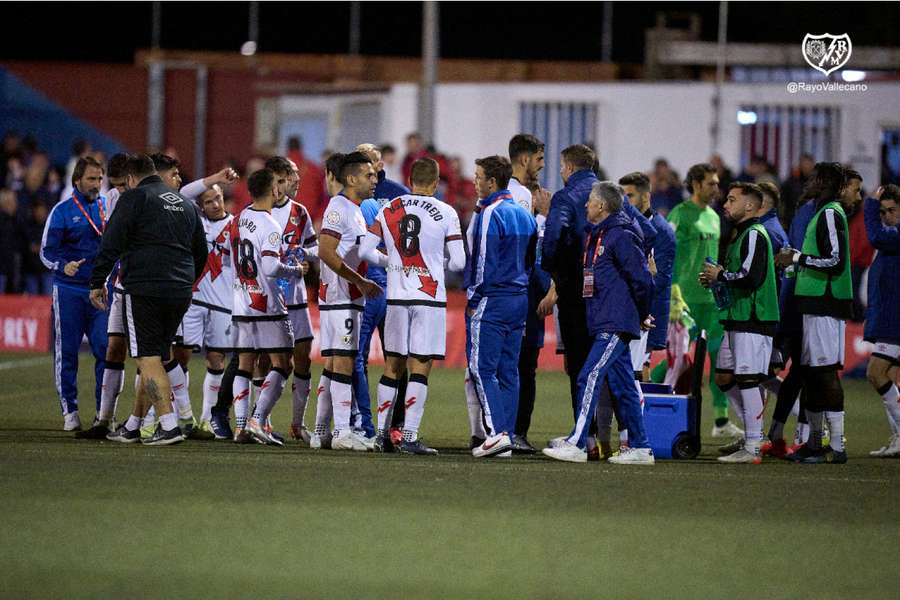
(173, 202)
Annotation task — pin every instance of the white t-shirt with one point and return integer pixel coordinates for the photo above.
(415, 231)
(342, 220)
(296, 231)
(215, 286)
(256, 297)
(520, 193)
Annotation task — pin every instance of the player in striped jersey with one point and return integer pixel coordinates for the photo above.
(415, 229)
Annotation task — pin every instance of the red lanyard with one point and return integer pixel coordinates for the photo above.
(598, 249)
(102, 227)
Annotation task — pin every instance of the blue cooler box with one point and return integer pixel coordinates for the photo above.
(666, 419)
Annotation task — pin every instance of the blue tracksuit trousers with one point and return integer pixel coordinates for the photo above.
(493, 345)
(372, 319)
(610, 357)
(73, 318)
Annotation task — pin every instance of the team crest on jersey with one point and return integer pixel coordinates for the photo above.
(333, 218)
(274, 238)
(601, 250)
(294, 220)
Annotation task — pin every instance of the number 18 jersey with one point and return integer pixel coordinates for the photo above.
(415, 231)
(255, 234)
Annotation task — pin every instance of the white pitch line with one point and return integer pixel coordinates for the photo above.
(25, 362)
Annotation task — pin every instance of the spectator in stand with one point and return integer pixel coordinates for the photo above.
(9, 148)
(34, 189)
(461, 194)
(664, 182)
(391, 168)
(10, 236)
(415, 149)
(726, 176)
(598, 170)
(37, 280)
(15, 173)
(792, 189)
(311, 192)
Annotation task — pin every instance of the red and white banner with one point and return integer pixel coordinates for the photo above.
(25, 323)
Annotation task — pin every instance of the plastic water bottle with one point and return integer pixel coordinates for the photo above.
(294, 256)
(719, 290)
(790, 271)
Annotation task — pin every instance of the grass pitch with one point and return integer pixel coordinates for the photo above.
(212, 519)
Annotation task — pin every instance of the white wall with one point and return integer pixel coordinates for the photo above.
(638, 122)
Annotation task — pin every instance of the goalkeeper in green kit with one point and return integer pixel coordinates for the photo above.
(697, 230)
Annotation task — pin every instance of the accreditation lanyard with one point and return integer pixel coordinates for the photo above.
(87, 215)
(587, 291)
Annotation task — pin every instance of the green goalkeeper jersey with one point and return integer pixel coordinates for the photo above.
(696, 237)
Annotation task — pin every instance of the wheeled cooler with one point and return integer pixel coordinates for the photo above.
(672, 420)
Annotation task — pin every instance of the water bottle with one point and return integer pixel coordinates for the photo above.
(293, 256)
(719, 290)
(790, 271)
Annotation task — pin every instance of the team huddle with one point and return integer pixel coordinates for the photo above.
(619, 280)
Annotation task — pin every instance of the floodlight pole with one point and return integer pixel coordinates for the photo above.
(355, 27)
(607, 37)
(716, 127)
(253, 23)
(430, 51)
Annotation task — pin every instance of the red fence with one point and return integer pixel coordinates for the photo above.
(25, 323)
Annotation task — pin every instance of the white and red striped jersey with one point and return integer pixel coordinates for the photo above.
(342, 220)
(254, 235)
(214, 288)
(415, 230)
(296, 232)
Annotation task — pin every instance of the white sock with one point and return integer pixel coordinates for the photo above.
(735, 400)
(341, 399)
(836, 425)
(169, 421)
(416, 394)
(801, 433)
(623, 437)
(178, 381)
(132, 423)
(753, 408)
(113, 382)
(891, 400)
(256, 389)
(211, 385)
(323, 404)
(387, 395)
(271, 392)
(300, 397)
(795, 409)
(816, 428)
(241, 392)
(473, 406)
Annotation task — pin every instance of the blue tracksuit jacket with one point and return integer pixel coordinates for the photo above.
(791, 323)
(883, 311)
(775, 230)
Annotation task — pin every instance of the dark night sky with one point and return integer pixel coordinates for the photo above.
(112, 31)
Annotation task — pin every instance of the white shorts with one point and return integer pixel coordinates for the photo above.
(339, 331)
(302, 324)
(264, 336)
(418, 331)
(823, 342)
(745, 354)
(888, 352)
(205, 327)
(638, 349)
(116, 323)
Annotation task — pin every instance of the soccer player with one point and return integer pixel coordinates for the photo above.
(824, 295)
(374, 313)
(526, 154)
(342, 293)
(260, 313)
(207, 323)
(504, 242)
(882, 213)
(618, 290)
(297, 233)
(697, 230)
(750, 318)
(415, 229)
(69, 247)
(114, 367)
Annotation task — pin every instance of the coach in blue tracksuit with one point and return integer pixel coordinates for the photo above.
(503, 246)
(69, 246)
(617, 288)
(375, 310)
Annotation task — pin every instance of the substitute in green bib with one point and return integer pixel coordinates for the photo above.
(749, 319)
(697, 229)
(824, 297)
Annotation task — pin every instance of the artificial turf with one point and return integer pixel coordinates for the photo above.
(213, 519)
